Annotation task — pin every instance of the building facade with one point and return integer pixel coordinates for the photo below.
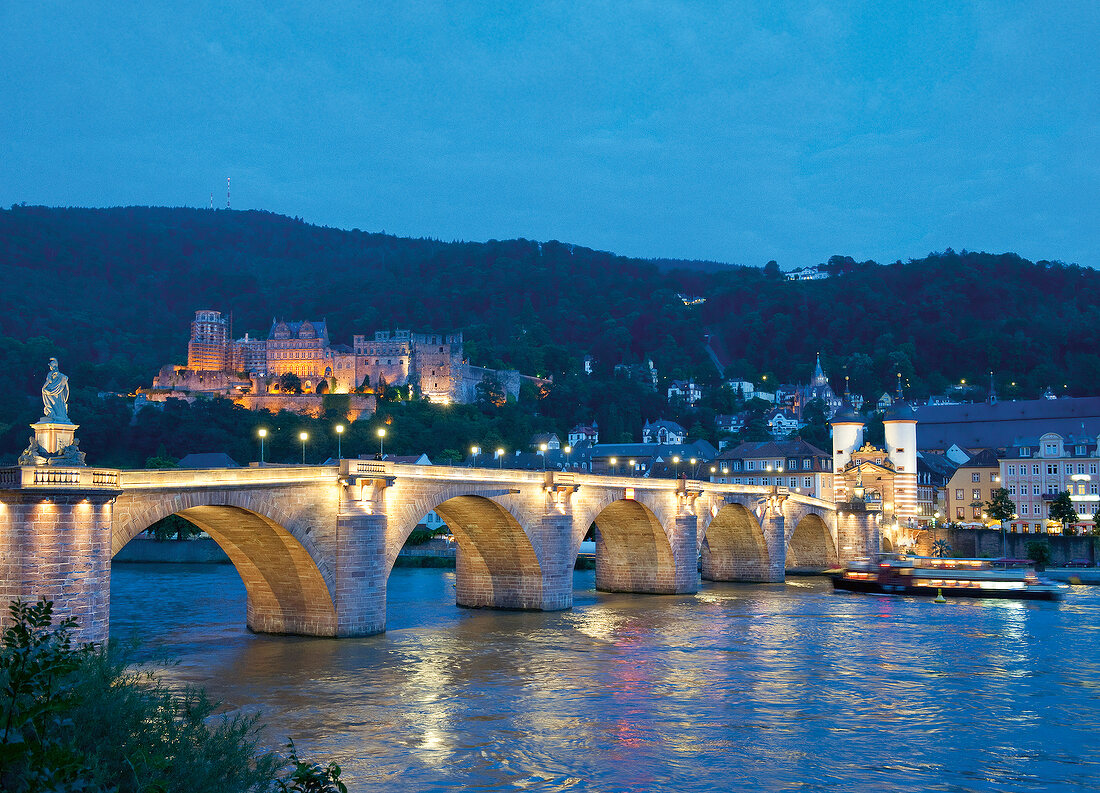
(797, 465)
(1035, 470)
(971, 488)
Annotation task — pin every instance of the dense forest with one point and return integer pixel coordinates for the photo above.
(111, 292)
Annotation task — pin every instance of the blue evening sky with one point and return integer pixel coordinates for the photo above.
(737, 132)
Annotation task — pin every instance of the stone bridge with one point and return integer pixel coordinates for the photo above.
(314, 545)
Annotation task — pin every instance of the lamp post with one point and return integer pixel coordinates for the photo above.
(339, 439)
(694, 469)
(381, 442)
(676, 466)
(631, 469)
(568, 450)
(263, 434)
(303, 437)
(542, 448)
(500, 458)
(614, 462)
(474, 452)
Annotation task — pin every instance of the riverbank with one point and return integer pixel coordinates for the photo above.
(198, 550)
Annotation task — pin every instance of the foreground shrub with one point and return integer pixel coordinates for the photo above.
(79, 718)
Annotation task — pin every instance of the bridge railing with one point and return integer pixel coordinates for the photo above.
(258, 476)
(76, 478)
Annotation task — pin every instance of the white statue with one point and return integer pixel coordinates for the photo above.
(55, 396)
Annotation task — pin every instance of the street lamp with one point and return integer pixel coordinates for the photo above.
(694, 471)
(568, 450)
(500, 458)
(339, 439)
(614, 461)
(303, 437)
(631, 469)
(542, 449)
(474, 452)
(263, 434)
(676, 466)
(381, 441)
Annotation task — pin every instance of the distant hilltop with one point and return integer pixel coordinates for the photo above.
(124, 281)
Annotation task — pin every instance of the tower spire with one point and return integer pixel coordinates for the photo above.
(992, 389)
(900, 395)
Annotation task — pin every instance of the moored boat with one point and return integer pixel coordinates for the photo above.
(902, 574)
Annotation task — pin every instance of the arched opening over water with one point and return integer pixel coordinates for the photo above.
(886, 544)
(734, 547)
(495, 563)
(633, 553)
(286, 591)
(811, 546)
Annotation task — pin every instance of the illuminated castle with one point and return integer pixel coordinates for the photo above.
(431, 363)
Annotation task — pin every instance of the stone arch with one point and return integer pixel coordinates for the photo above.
(811, 545)
(633, 553)
(497, 565)
(287, 590)
(586, 511)
(887, 545)
(734, 547)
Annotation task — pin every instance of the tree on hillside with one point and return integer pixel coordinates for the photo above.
(816, 429)
(491, 393)
(1061, 510)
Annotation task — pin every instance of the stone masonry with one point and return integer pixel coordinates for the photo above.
(314, 545)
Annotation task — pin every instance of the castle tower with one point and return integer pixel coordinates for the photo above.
(208, 349)
(847, 438)
(900, 425)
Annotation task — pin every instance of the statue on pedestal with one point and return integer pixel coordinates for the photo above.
(69, 455)
(33, 454)
(55, 396)
(54, 441)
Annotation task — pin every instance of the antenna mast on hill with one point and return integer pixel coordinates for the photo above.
(227, 192)
(211, 200)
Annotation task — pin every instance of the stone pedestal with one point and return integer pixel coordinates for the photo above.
(52, 436)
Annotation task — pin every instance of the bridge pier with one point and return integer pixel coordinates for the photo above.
(858, 530)
(55, 543)
(361, 573)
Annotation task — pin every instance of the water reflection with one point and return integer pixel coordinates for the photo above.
(761, 686)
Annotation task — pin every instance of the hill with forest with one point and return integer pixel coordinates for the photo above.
(112, 293)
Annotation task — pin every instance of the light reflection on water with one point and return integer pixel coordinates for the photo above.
(768, 686)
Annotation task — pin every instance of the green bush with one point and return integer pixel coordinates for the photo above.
(80, 718)
(1039, 552)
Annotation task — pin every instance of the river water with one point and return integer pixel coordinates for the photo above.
(750, 687)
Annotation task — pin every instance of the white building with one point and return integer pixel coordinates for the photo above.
(663, 432)
(684, 390)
